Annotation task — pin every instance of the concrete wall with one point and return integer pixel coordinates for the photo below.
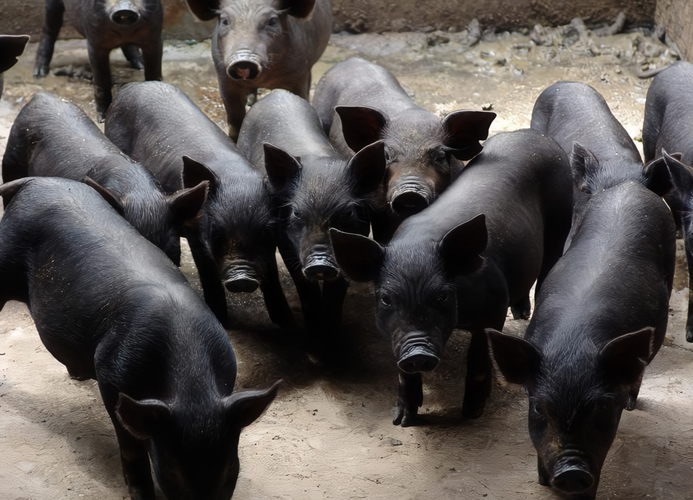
(677, 17)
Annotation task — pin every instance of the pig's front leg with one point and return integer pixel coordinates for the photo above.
(100, 65)
(235, 99)
(478, 381)
(410, 398)
(152, 54)
(51, 28)
(277, 306)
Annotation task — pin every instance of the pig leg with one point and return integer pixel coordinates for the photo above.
(135, 461)
(51, 28)
(278, 308)
(151, 57)
(133, 55)
(100, 65)
(234, 99)
(689, 257)
(212, 288)
(478, 380)
(409, 400)
(522, 308)
(333, 295)
(301, 87)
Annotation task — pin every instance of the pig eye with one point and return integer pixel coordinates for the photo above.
(224, 21)
(273, 22)
(442, 297)
(296, 214)
(538, 409)
(385, 300)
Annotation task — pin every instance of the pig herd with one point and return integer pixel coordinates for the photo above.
(362, 185)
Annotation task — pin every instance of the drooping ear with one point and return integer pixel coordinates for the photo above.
(297, 8)
(186, 203)
(359, 257)
(195, 172)
(681, 174)
(367, 168)
(282, 168)
(584, 166)
(108, 195)
(204, 10)
(624, 358)
(656, 176)
(244, 408)
(463, 131)
(462, 246)
(9, 189)
(141, 418)
(11, 47)
(361, 125)
(517, 359)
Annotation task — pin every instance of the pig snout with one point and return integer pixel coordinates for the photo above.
(244, 66)
(125, 14)
(320, 265)
(572, 475)
(409, 196)
(418, 357)
(241, 279)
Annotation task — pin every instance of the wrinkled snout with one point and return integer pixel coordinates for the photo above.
(320, 265)
(409, 196)
(418, 358)
(244, 66)
(125, 14)
(241, 279)
(572, 476)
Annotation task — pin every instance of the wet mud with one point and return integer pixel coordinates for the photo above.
(329, 433)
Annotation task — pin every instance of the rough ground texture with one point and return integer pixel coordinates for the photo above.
(329, 433)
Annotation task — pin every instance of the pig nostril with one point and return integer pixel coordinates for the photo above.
(418, 363)
(320, 272)
(244, 70)
(409, 203)
(242, 285)
(573, 480)
(125, 17)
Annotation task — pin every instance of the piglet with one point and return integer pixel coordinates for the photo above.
(270, 44)
(359, 102)
(133, 25)
(52, 137)
(110, 306)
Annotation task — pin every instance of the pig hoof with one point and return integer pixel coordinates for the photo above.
(520, 313)
(101, 116)
(631, 402)
(689, 335)
(40, 71)
(404, 418)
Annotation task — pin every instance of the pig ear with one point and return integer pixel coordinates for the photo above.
(463, 131)
(656, 177)
(624, 358)
(367, 168)
(195, 172)
(244, 408)
(297, 8)
(9, 189)
(141, 418)
(681, 174)
(358, 256)
(204, 10)
(11, 47)
(106, 194)
(517, 359)
(361, 125)
(462, 246)
(282, 168)
(584, 166)
(186, 203)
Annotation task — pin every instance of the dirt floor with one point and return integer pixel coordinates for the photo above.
(329, 434)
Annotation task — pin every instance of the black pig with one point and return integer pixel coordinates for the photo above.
(317, 188)
(359, 102)
(110, 306)
(270, 44)
(52, 137)
(448, 266)
(233, 241)
(602, 154)
(668, 126)
(107, 25)
(11, 47)
(600, 318)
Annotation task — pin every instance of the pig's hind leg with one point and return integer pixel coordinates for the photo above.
(51, 28)
(133, 55)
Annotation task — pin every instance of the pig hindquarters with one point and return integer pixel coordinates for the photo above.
(110, 306)
(270, 44)
(233, 241)
(107, 24)
(359, 103)
(52, 137)
(600, 318)
(448, 266)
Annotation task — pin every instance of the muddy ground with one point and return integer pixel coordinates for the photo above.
(329, 433)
